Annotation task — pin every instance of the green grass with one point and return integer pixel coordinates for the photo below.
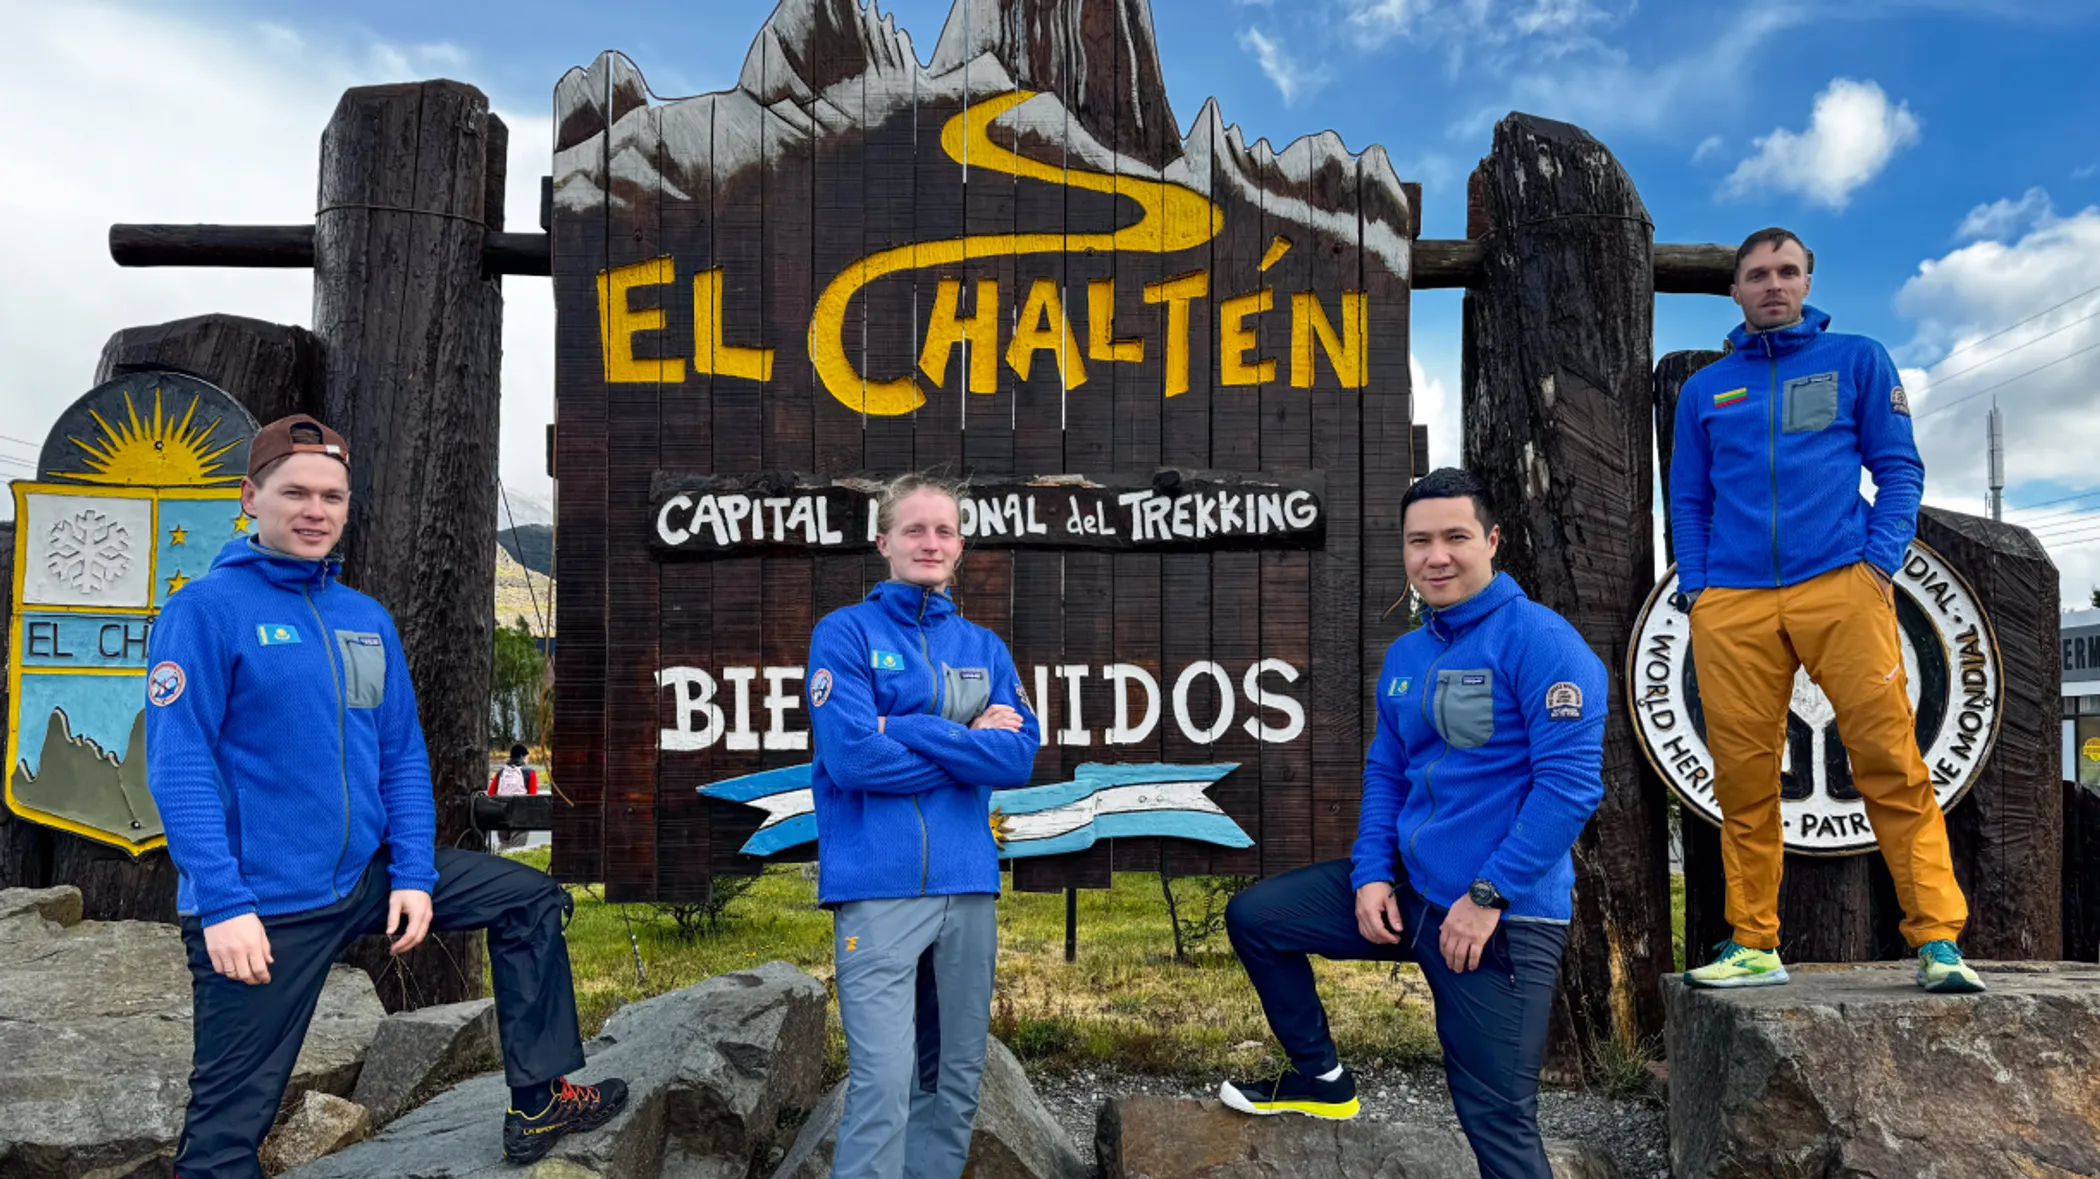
(1125, 1002)
(1677, 917)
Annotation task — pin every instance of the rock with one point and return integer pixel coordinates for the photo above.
(1176, 1138)
(1851, 1070)
(713, 1071)
(416, 1053)
(95, 1033)
(60, 904)
(1014, 1136)
(321, 1125)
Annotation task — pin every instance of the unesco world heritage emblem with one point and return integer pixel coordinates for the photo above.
(137, 488)
(1950, 662)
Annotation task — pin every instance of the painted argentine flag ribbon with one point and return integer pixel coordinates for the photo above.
(1100, 802)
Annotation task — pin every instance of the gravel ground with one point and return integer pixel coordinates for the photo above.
(1633, 1131)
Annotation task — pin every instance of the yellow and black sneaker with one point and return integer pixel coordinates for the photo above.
(574, 1109)
(1293, 1092)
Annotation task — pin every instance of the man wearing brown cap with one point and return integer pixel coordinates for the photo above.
(283, 751)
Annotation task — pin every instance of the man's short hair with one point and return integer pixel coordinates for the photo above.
(1775, 237)
(1451, 483)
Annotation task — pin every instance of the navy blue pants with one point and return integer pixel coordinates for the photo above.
(247, 1037)
(1492, 1020)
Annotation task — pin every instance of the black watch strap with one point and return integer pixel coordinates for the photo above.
(1487, 896)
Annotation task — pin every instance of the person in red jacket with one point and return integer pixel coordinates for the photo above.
(515, 776)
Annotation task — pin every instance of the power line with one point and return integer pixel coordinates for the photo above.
(1986, 363)
(2018, 323)
(2009, 380)
(2047, 502)
(2063, 527)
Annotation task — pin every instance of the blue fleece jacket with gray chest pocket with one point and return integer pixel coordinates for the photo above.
(1488, 756)
(903, 806)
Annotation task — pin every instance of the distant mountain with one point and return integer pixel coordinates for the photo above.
(530, 545)
(77, 779)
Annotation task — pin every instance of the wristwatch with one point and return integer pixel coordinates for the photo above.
(1683, 601)
(1484, 894)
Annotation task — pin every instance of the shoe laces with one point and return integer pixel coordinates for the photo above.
(575, 1094)
(1728, 948)
(1941, 952)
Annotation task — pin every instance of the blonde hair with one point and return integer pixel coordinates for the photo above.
(904, 486)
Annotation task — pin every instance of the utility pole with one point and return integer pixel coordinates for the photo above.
(1996, 430)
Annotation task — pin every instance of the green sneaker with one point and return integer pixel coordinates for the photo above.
(1739, 966)
(1941, 970)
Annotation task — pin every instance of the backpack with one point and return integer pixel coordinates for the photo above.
(510, 780)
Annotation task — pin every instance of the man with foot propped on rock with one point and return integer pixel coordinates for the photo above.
(285, 756)
(1487, 760)
(1782, 563)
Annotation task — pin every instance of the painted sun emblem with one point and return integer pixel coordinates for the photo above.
(155, 451)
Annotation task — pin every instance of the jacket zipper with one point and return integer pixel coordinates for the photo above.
(926, 652)
(1429, 770)
(1772, 449)
(342, 753)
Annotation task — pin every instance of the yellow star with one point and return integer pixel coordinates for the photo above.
(177, 582)
(181, 535)
(240, 523)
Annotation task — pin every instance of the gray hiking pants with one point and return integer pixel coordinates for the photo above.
(915, 995)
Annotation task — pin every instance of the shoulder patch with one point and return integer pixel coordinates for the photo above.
(1564, 701)
(1021, 694)
(1731, 396)
(1899, 401)
(165, 683)
(1398, 685)
(820, 687)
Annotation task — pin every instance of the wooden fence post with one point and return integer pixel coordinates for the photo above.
(1558, 424)
(2008, 834)
(412, 342)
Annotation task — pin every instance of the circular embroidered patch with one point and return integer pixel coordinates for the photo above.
(820, 687)
(164, 684)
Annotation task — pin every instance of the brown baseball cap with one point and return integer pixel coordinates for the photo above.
(297, 434)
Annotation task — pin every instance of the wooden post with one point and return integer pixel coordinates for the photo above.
(2008, 834)
(2081, 872)
(1558, 424)
(412, 336)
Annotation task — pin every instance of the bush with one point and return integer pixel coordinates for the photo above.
(691, 921)
(1194, 927)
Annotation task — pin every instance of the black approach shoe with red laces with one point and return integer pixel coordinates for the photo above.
(576, 1109)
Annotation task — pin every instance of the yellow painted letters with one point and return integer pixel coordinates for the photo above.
(1175, 293)
(710, 354)
(1236, 339)
(617, 324)
(1101, 343)
(948, 328)
(1042, 326)
(1349, 356)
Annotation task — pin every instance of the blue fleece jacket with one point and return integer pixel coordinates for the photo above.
(1488, 756)
(1770, 439)
(282, 746)
(906, 811)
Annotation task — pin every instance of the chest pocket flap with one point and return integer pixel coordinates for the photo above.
(364, 668)
(1811, 402)
(967, 691)
(1465, 707)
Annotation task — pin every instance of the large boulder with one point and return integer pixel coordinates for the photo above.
(95, 1033)
(416, 1053)
(321, 1125)
(1177, 1138)
(1851, 1070)
(1014, 1136)
(713, 1072)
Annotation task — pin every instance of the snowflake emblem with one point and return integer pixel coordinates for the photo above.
(88, 551)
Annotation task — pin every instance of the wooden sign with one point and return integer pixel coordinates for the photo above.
(137, 489)
(1171, 364)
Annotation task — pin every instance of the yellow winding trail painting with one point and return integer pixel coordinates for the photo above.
(1176, 218)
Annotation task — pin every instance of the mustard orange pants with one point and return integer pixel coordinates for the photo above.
(1841, 626)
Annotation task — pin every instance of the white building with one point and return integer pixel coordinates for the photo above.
(2081, 692)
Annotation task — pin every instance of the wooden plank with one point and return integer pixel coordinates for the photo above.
(1389, 462)
(889, 179)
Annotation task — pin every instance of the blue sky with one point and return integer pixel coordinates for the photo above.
(1938, 156)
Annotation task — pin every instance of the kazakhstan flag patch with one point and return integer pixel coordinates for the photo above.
(275, 634)
(885, 660)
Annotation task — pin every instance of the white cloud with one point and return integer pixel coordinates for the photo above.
(1436, 407)
(1469, 26)
(1851, 136)
(1292, 80)
(1970, 306)
(2004, 217)
(2087, 170)
(235, 143)
(1709, 146)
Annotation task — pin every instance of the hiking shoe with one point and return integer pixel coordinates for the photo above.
(1738, 966)
(1941, 970)
(1293, 1092)
(575, 1109)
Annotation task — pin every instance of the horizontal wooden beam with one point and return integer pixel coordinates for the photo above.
(1439, 263)
(286, 247)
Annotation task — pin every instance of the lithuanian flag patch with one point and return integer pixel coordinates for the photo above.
(1731, 397)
